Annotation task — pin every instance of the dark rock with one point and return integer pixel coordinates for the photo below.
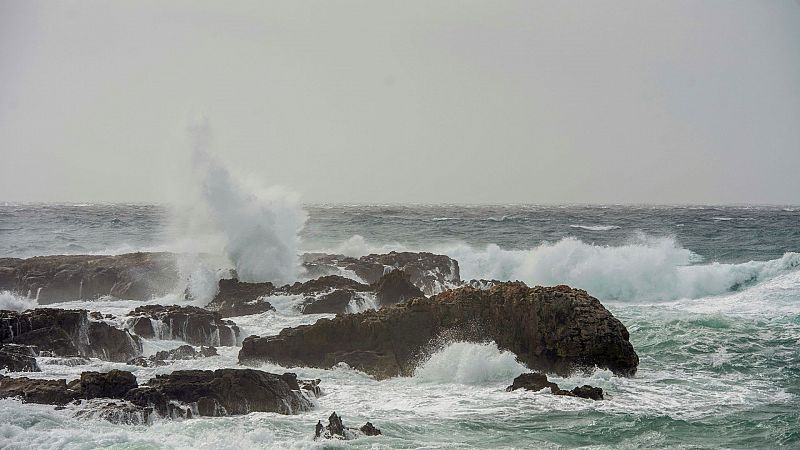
(430, 273)
(221, 392)
(116, 412)
(311, 387)
(553, 329)
(51, 392)
(18, 358)
(69, 361)
(237, 298)
(587, 391)
(324, 284)
(536, 382)
(369, 430)
(395, 287)
(336, 302)
(112, 384)
(134, 276)
(336, 429)
(61, 332)
(196, 326)
(183, 352)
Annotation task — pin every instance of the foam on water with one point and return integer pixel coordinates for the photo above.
(13, 302)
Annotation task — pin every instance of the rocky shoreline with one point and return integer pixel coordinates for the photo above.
(401, 309)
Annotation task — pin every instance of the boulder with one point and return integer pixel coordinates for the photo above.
(395, 287)
(112, 384)
(221, 392)
(63, 332)
(18, 358)
(322, 284)
(238, 298)
(336, 302)
(196, 326)
(56, 278)
(553, 329)
(535, 381)
(429, 272)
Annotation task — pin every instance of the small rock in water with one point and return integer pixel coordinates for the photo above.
(337, 430)
(536, 381)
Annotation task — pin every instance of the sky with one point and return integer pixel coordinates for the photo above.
(414, 101)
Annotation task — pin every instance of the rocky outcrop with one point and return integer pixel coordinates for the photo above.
(62, 332)
(221, 392)
(183, 393)
(195, 326)
(395, 287)
(553, 329)
(336, 430)
(18, 358)
(56, 278)
(325, 283)
(535, 381)
(429, 272)
(336, 302)
(183, 352)
(238, 298)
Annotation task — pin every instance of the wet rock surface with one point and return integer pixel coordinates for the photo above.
(535, 381)
(57, 278)
(395, 287)
(61, 332)
(221, 392)
(553, 329)
(195, 326)
(336, 430)
(164, 357)
(18, 358)
(429, 272)
(238, 298)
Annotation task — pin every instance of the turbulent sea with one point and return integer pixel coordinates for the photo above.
(710, 295)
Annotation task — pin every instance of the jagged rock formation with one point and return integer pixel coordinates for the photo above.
(238, 298)
(18, 358)
(535, 381)
(429, 272)
(552, 329)
(336, 430)
(195, 326)
(56, 278)
(62, 332)
(220, 393)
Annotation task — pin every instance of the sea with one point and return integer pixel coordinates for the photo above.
(709, 294)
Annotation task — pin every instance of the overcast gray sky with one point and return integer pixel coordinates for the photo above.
(406, 101)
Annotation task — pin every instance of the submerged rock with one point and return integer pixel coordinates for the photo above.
(51, 392)
(62, 332)
(56, 278)
(535, 381)
(221, 392)
(196, 326)
(554, 329)
(18, 358)
(238, 298)
(429, 272)
(336, 429)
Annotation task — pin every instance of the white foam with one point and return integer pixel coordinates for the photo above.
(12, 302)
(469, 363)
(646, 269)
(596, 227)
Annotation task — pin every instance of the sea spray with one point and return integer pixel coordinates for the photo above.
(260, 228)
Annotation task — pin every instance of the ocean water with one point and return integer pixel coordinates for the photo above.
(710, 295)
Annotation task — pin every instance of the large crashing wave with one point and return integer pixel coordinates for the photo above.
(649, 269)
(260, 228)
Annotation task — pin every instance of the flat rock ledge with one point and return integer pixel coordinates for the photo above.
(551, 329)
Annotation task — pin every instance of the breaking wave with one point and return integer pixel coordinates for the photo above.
(649, 269)
(469, 363)
(11, 302)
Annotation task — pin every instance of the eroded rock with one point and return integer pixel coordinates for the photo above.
(238, 298)
(553, 329)
(18, 358)
(535, 381)
(196, 326)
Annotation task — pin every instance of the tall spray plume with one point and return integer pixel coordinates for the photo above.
(260, 228)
